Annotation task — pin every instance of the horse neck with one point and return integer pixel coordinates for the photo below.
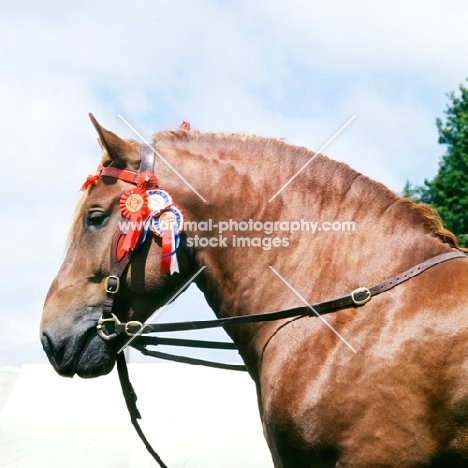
(389, 236)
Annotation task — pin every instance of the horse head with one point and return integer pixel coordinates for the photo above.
(74, 303)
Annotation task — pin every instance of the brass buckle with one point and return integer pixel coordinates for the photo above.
(117, 287)
(363, 301)
(100, 329)
(133, 323)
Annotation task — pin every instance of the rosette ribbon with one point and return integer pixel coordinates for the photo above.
(168, 225)
(158, 201)
(134, 207)
(170, 242)
(152, 210)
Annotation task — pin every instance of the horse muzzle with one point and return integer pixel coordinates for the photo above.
(83, 352)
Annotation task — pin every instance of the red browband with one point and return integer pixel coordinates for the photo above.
(122, 174)
(144, 180)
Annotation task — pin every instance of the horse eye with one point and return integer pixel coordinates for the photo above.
(96, 219)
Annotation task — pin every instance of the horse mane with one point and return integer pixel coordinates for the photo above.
(425, 213)
(188, 139)
(180, 137)
(432, 221)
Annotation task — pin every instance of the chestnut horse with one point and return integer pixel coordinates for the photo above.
(384, 384)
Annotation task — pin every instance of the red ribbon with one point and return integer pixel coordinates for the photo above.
(134, 207)
(120, 250)
(90, 180)
(166, 250)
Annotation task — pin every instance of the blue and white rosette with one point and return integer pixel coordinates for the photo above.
(168, 225)
(171, 219)
(158, 200)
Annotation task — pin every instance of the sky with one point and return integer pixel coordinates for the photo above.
(286, 69)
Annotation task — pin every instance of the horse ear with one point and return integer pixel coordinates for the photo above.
(122, 153)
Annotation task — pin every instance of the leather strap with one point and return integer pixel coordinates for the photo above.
(157, 340)
(112, 286)
(189, 360)
(130, 400)
(186, 249)
(116, 173)
(146, 159)
(146, 165)
(117, 267)
(356, 298)
(141, 342)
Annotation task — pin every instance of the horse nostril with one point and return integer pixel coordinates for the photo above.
(52, 351)
(46, 343)
(49, 348)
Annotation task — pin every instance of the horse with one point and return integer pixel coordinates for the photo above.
(381, 382)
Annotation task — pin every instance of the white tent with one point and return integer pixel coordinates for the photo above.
(194, 417)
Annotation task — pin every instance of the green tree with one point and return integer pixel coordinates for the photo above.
(448, 191)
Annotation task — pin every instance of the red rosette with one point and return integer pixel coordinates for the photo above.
(134, 204)
(147, 180)
(134, 207)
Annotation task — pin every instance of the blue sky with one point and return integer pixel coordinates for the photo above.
(293, 69)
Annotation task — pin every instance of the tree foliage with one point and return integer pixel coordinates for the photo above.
(447, 192)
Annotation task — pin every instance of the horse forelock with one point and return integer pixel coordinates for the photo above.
(77, 215)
